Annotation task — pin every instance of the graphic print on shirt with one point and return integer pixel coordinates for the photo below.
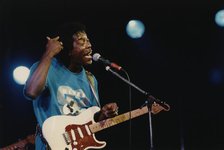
(72, 101)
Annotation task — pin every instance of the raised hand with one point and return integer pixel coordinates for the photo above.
(54, 46)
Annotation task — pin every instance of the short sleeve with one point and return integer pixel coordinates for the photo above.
(32, 69)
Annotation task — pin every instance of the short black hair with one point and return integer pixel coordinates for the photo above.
(66, 32)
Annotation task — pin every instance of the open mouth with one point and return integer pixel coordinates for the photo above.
(88, 54)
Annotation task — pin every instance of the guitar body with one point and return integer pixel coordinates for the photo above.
(72, 132)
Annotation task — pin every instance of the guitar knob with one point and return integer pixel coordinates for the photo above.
(75, 143)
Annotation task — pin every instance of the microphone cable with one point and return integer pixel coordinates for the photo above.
(130, 109)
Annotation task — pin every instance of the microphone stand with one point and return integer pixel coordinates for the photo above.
(150, 98)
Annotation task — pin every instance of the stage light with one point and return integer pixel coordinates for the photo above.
(135, 29)
(219, 18)
(20, 74)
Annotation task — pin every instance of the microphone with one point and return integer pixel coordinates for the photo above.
(97, 57)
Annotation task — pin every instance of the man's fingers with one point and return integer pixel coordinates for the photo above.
(111, 113)
(55, 39)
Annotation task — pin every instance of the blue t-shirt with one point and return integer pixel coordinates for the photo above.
(63, 88)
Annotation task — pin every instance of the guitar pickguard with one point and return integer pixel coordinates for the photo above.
(81, 137)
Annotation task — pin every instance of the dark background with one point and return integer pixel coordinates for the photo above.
(178, 60)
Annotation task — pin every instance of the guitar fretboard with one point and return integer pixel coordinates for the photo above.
(118, 119)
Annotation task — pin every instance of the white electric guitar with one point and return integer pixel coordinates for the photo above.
(77, 132)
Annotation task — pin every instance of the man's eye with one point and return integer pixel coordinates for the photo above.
(83, 41)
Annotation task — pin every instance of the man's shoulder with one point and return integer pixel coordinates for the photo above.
(56, 63)
(53, 61)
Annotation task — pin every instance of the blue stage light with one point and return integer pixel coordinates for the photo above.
(135, 29)
(219, 18)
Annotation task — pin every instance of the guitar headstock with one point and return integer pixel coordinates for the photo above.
(156, 108)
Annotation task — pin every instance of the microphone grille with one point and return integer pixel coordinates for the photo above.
(96, 56)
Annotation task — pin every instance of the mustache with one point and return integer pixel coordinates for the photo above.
(87, 52)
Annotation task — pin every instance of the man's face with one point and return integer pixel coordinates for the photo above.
(81, 52)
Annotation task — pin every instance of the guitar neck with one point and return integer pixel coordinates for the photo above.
(118, 119)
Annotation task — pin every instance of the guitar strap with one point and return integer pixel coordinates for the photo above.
(92, 86)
